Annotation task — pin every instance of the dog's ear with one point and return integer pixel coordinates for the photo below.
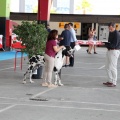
(33, 59)
(43, 59)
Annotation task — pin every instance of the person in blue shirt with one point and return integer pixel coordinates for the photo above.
(66, 35)
(48, 28)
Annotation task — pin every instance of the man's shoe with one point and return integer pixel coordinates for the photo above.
(107, 83)
(66, 65)
(70, 65)
(111, 85)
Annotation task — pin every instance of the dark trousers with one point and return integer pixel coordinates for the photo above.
(72, 44)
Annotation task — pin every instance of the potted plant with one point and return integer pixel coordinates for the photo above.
(33, 36)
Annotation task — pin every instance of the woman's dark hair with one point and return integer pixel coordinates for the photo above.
(90, 29)
(94, 29)
(52, 35)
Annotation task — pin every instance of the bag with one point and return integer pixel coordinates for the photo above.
(77, 47)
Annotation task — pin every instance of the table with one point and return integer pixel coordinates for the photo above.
(18, 47)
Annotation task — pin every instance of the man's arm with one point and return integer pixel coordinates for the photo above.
(113, 40)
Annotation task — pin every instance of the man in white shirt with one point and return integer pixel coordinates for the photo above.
(73, 41)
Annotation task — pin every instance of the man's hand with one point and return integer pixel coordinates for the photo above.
(60, 38)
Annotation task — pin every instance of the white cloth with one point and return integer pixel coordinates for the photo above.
(77, 47)
(111, 65)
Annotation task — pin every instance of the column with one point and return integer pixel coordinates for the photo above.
(4, 15)
(44, 11)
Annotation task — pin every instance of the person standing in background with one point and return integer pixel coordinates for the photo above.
(66, 35)
(73, 42)
(112, 55)
(48, 28)
(94, 39)
(90, 39)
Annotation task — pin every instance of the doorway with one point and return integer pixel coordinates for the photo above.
(84, 30)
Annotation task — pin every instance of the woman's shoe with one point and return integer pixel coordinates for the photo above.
(89, 53)
(45, 84)
(66, 65)
(87, 50)
(52, 86)
(95, 53)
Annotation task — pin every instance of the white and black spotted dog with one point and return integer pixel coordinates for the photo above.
(34, 62)
(59, 61)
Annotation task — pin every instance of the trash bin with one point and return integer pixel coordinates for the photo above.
(38, 73)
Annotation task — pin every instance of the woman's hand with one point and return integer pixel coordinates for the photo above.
(58, 48)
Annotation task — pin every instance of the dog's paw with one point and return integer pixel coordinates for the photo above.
(60, 84)
(55, 83)
(24, 82)
(31, 81)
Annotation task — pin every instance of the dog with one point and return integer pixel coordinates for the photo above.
(34, 63)
(59, 60)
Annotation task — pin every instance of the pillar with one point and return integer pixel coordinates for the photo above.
(44, 11)
(4, 16)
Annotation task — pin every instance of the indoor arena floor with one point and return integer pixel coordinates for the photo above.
(83, 96)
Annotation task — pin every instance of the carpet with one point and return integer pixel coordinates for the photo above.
(10, 55)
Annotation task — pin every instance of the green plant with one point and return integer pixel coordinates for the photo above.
(33, 36)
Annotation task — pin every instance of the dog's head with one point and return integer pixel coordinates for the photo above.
(68, 51)
(38, 59)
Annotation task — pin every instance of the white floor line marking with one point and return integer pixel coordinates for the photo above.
(83, 75)
(106, 104)
(101, 67)
(7, 108)
(42, 92)
(14, 71)
(112, 89)
(8, 68)
(86, 68)
(61, 107)
(20, 99)
(90, 103)
(10, 98)
(64, 107)
(87, 63)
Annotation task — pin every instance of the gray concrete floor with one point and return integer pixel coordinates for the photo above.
(83, 96)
